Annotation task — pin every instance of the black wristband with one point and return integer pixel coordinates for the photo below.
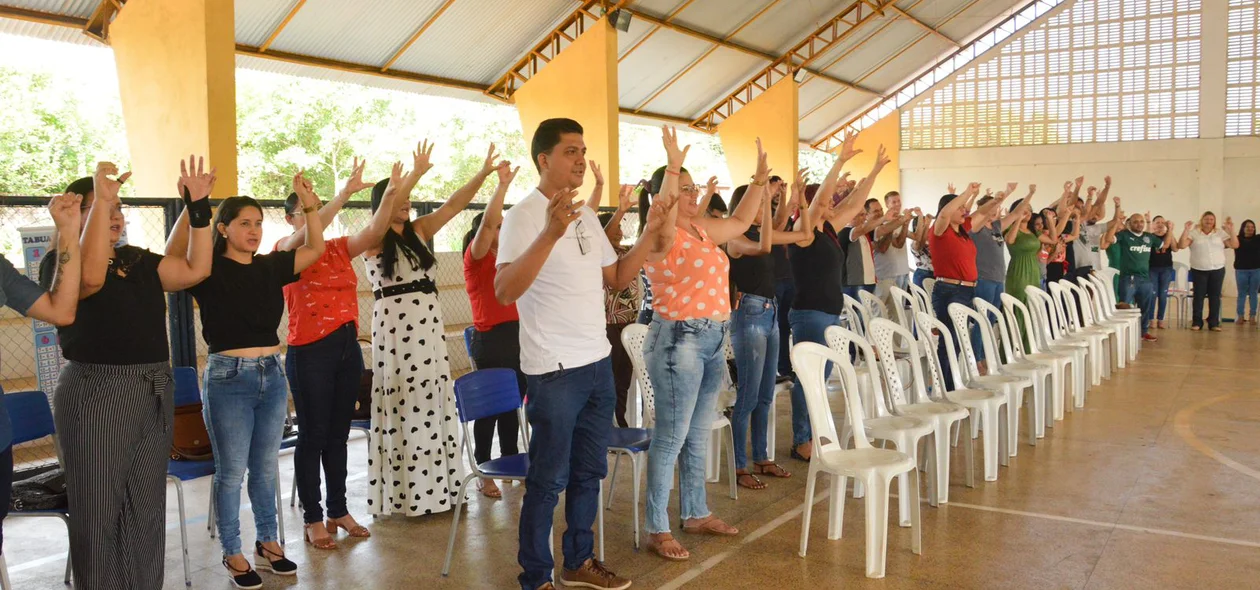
(199, 213)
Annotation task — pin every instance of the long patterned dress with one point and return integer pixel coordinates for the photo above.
(413, 455)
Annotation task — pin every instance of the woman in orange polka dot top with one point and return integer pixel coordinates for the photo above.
(685, 348)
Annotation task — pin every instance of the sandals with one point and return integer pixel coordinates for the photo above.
(711, 526)
(247, 579)
(659, 547)
(488, 489)
(357, 531)
(748, 480)
(772, 469)
(798, 456)
(277, 563)
(327, 543)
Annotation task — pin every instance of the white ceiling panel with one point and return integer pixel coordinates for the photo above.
(705, 84)
(257, 19)
(356, 32)
(643, 72)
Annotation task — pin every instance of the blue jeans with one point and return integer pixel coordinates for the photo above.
(990, 291)
(685, 361)
(921, 275)
(755, 338)
(807, 326)
(944, 294)
(1136, 290)
(245, 403)
(570, 412)
(1161, 277)
(785, 294)
(1248, 291)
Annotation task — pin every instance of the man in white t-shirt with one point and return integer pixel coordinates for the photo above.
(892, 263)
(553, 262)
(1085, 249)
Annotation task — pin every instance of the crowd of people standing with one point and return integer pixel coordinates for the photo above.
(552, 287)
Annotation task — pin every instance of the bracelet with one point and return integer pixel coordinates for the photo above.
(309, 210)
(674, 172)
(755, 183)
(198, 213)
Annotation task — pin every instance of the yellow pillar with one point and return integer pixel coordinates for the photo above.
(772, 116)
(886, 132)
(177, 79)
(580, 84)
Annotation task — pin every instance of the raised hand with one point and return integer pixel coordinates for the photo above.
(1010, 188)
(1080, 180)
(194, 178)
(711, 187)
(1032, 189)
(1189, 225)
(506, 172)
(882, 159)
(988, 192)
(561, 211)
(674, 156)
(65, 212)
(356, 183)
(763, 166)
(104, 187)
(1106, 181)
(395, 180)
(1229, 225)
(422, 155)
(848, 148)
(1091, 191)
(1067, 187)
(492, 160)
(305, 190)
(658, 214)
(625, 198)
(949, 188)
(599, 174)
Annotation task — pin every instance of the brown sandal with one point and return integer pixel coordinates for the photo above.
(772, 469)
(327, 543)
(742, 478)
(489, 489)
(658, 547)
(357, 530)
(711, 526)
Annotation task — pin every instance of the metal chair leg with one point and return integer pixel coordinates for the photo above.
(459, 504)
(279, 512)
(183, 529)
(612, 484)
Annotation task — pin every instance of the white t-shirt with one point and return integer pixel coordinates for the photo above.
(562, 312)
(1085, 248)
(892, 262)
(1207, 251)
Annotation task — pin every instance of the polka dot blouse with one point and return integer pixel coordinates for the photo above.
(693, 279)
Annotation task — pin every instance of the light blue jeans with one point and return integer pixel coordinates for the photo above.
(1248, 290)
(755, 338)
(685, 361)
(245, 403)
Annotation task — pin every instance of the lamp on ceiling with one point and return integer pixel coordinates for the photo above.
(799, 75)
(620, 20)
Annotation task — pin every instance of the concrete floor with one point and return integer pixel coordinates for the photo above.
(1152, 485)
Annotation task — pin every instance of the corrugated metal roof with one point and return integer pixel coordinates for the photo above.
(356, 32)
(78, 8)
(257, 19)
(490, 35)
(475, 41)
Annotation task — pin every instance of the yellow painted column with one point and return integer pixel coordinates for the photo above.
(885, 132)
(580, 84)
(177, 79)
(772, 116)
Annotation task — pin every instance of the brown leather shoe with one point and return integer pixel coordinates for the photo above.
(547, 586)
(593, 574)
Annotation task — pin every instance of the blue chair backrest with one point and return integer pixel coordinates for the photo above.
(187, 390)
(468, 336)
(31, 416)
(485, 393)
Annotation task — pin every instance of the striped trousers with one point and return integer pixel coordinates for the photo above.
(114, 428)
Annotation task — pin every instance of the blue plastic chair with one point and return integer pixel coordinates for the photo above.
(633, 443)
(188, 392)
(468, 335)
(32, 420)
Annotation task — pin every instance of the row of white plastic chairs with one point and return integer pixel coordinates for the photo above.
(894, 390)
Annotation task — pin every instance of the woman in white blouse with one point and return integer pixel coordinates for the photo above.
(1207, 244)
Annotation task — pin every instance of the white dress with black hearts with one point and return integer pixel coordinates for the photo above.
(413, 455)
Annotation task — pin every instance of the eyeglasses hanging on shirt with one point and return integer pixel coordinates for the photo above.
(584, 241)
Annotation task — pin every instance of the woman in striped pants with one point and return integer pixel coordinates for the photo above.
(113, 402)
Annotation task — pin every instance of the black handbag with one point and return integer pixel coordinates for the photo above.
(42, 491)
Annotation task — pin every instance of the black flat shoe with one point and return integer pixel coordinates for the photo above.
(247, 579)
(798, 456)
(274, 562)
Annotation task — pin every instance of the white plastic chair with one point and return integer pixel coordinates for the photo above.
(1106, 307)
(929, 286)
(1065, 362)
(1183, 292)
(1053, 337)
(874, 467)
(1081, 321)
(1098, 349)
(1094, 312)
(985, 402)
(1047, 383)
(874, 306)
(923, 298)
(905, 431)
(909, 397)
(1013, 387)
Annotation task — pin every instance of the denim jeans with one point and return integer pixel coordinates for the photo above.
(755, 338)
(807, 326)
(785, 294)
(1161, 277)
(1248, 291)
(919, 276)
(944, 294)
(990, 291)
(684, 360)
(498, 348)
(245, 403)
(570, 411)
(1207, 284)
(1139, 291)
(324, 377)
